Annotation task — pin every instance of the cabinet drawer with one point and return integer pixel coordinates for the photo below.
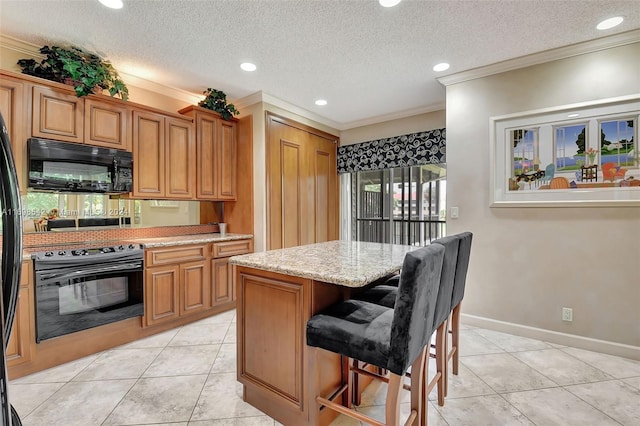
(231, 248)
(169, 255)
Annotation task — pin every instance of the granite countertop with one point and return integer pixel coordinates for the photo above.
(182, 240)
(347, 263)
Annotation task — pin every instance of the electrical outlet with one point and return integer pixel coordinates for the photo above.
(567, 314)
(455, 212)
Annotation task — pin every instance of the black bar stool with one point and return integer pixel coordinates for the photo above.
(385, 294)
(392, 339)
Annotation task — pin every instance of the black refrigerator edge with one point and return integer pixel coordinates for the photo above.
(11, 264)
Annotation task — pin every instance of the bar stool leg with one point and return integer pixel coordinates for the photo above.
(455, 337)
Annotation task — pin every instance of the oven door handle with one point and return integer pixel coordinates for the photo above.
(47, 277)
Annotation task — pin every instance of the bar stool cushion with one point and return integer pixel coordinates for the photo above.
(381, 294)
(353, 328)
(387, 338)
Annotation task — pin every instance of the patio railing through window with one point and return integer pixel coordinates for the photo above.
(400, 206)
(405, 231)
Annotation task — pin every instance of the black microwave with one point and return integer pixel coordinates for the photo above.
(69, 167)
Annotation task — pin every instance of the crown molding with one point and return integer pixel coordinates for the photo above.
(603, 43)
(20, 46)
(394, 116)
(264, 97)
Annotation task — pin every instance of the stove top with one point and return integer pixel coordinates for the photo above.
(89, 254)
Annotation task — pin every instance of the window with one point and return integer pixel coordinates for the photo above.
(570, 147)
(617, 142)
(403, 205)
(525, 151)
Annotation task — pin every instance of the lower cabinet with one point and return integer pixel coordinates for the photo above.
(221, 282)
(19, 347)
(194, 291)
(176, 282)
(161, 294)
(190, 279)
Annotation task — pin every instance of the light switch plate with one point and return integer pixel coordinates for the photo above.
(454, 212)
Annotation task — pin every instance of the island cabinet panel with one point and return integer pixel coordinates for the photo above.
(217, 156)
(13, 109)
(162, 294)
(57, 115)
(20, 344)
(194, 288)
(274, 328)
(107, 125)
(180, 159)
(148, 155)
(280, 374)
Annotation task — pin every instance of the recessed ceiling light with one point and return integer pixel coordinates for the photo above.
(441, 67)
(248, 66)
(610, 23)
(112, 4)
(388, 3)
(321, 102)
(573, 115)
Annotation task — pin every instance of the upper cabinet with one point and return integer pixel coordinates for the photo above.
(12, 107)
(107, 124)
(217, 156)
(163, 155)
(57, 114)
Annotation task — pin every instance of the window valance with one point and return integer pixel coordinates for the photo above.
(414, 149)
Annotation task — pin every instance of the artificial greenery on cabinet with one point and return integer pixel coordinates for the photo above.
(216, 100)
(86, 72)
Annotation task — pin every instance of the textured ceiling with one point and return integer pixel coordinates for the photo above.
(365, 60)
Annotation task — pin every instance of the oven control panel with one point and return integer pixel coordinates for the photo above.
(89, 254)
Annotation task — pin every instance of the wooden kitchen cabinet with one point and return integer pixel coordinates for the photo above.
(194, 296)
(222, 290)
(163, 156)
(19, 346)
(221, 282)
(57, 114)
(13, 109)
(217, 156)
(176, 282)
(161, 294)
(107, 124)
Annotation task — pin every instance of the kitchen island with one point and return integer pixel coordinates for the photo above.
(277, 292)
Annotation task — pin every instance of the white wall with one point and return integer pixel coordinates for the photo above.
(387, 129)
(528, 263)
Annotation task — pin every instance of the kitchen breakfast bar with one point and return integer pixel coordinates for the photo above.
(277, 292)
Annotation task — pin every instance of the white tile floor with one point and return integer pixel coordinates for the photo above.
(186, 376)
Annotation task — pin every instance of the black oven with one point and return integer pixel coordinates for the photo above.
(84, 288)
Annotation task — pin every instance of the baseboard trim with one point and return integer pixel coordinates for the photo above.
(603, 346)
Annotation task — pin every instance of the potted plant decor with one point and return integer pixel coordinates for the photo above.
(216, 100)
(86, 72)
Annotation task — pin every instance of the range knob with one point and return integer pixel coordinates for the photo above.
(131, 246)
(49, 254)
(62, 253)
(120, 247)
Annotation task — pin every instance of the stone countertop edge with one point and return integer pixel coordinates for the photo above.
(323, 262)
(182, 240)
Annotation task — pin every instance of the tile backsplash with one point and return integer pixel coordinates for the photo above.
(45, 239)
